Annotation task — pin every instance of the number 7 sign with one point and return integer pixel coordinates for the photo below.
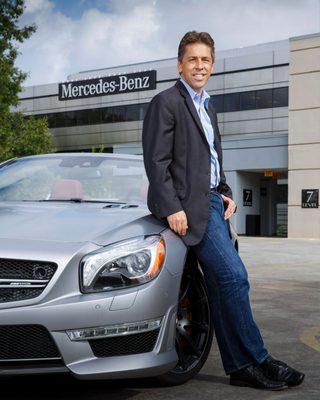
(310, 198)
(247, 197)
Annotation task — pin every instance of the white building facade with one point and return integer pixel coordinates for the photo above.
(263, 95)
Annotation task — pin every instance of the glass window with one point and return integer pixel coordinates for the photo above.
(106, 115)
(132, 112)
(280, 97)
(143, 111)
(82, 117)
(60, 120)
(248, 100)
(69, 118)
(119, 114)
(94, 115)
(264, 98)
(217, 102)
(231, 102)
(89, 177)
(51, 120)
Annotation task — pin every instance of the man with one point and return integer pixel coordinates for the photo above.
(183, 161)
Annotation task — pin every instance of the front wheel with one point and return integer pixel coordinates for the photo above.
(194, 328)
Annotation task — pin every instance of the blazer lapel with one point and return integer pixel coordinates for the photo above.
(213, 122)
(217, 141)
(191, 108)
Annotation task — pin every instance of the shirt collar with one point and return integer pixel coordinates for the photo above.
(203, 97)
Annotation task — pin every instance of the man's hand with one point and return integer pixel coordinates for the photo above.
(231, 206)
(178, 222)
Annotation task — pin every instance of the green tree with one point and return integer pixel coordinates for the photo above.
(18, 135)
(22, 137)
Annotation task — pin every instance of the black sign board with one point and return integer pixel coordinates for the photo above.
(247, 197)
(133, 82)
(310, 198)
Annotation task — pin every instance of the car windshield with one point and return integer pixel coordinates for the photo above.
(73, 177)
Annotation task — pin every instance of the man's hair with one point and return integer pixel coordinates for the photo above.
(195, 37)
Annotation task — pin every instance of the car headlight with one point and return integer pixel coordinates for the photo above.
(124, 264)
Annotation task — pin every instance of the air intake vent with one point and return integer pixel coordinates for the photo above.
(124, 345)
(23, 279)
(26, 342)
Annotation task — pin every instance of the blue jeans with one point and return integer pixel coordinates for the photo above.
(238, 336)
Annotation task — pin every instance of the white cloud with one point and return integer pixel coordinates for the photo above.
(32, 6)
(131, 31)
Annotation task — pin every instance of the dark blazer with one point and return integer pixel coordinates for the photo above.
(177, 160)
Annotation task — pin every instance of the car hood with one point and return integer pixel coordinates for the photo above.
(73, 222)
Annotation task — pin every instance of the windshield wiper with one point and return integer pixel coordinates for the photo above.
(79, 200)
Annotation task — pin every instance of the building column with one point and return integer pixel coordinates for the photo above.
(304, 135)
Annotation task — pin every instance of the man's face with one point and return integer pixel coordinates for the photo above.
(196, 65)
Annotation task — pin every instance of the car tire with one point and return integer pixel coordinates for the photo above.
(194, 328)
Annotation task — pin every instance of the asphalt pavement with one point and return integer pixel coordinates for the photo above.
(284, 276)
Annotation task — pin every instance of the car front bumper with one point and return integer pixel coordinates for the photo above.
(63, 307)
(85, 311)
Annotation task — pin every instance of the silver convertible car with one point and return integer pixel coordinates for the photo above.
(90, 282)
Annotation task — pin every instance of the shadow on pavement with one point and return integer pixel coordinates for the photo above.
(67, 387)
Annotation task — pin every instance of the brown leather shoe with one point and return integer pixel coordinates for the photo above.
(253, 376)
(279, 371)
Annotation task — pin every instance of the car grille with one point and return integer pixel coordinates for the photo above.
(124, 345)
(26, 342)
(24, 279)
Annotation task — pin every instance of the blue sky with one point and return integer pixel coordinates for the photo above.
(75, 8)
(77, 35)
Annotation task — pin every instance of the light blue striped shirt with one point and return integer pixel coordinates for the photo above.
(200, 102)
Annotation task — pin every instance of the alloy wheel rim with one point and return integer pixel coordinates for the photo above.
(192, 323)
